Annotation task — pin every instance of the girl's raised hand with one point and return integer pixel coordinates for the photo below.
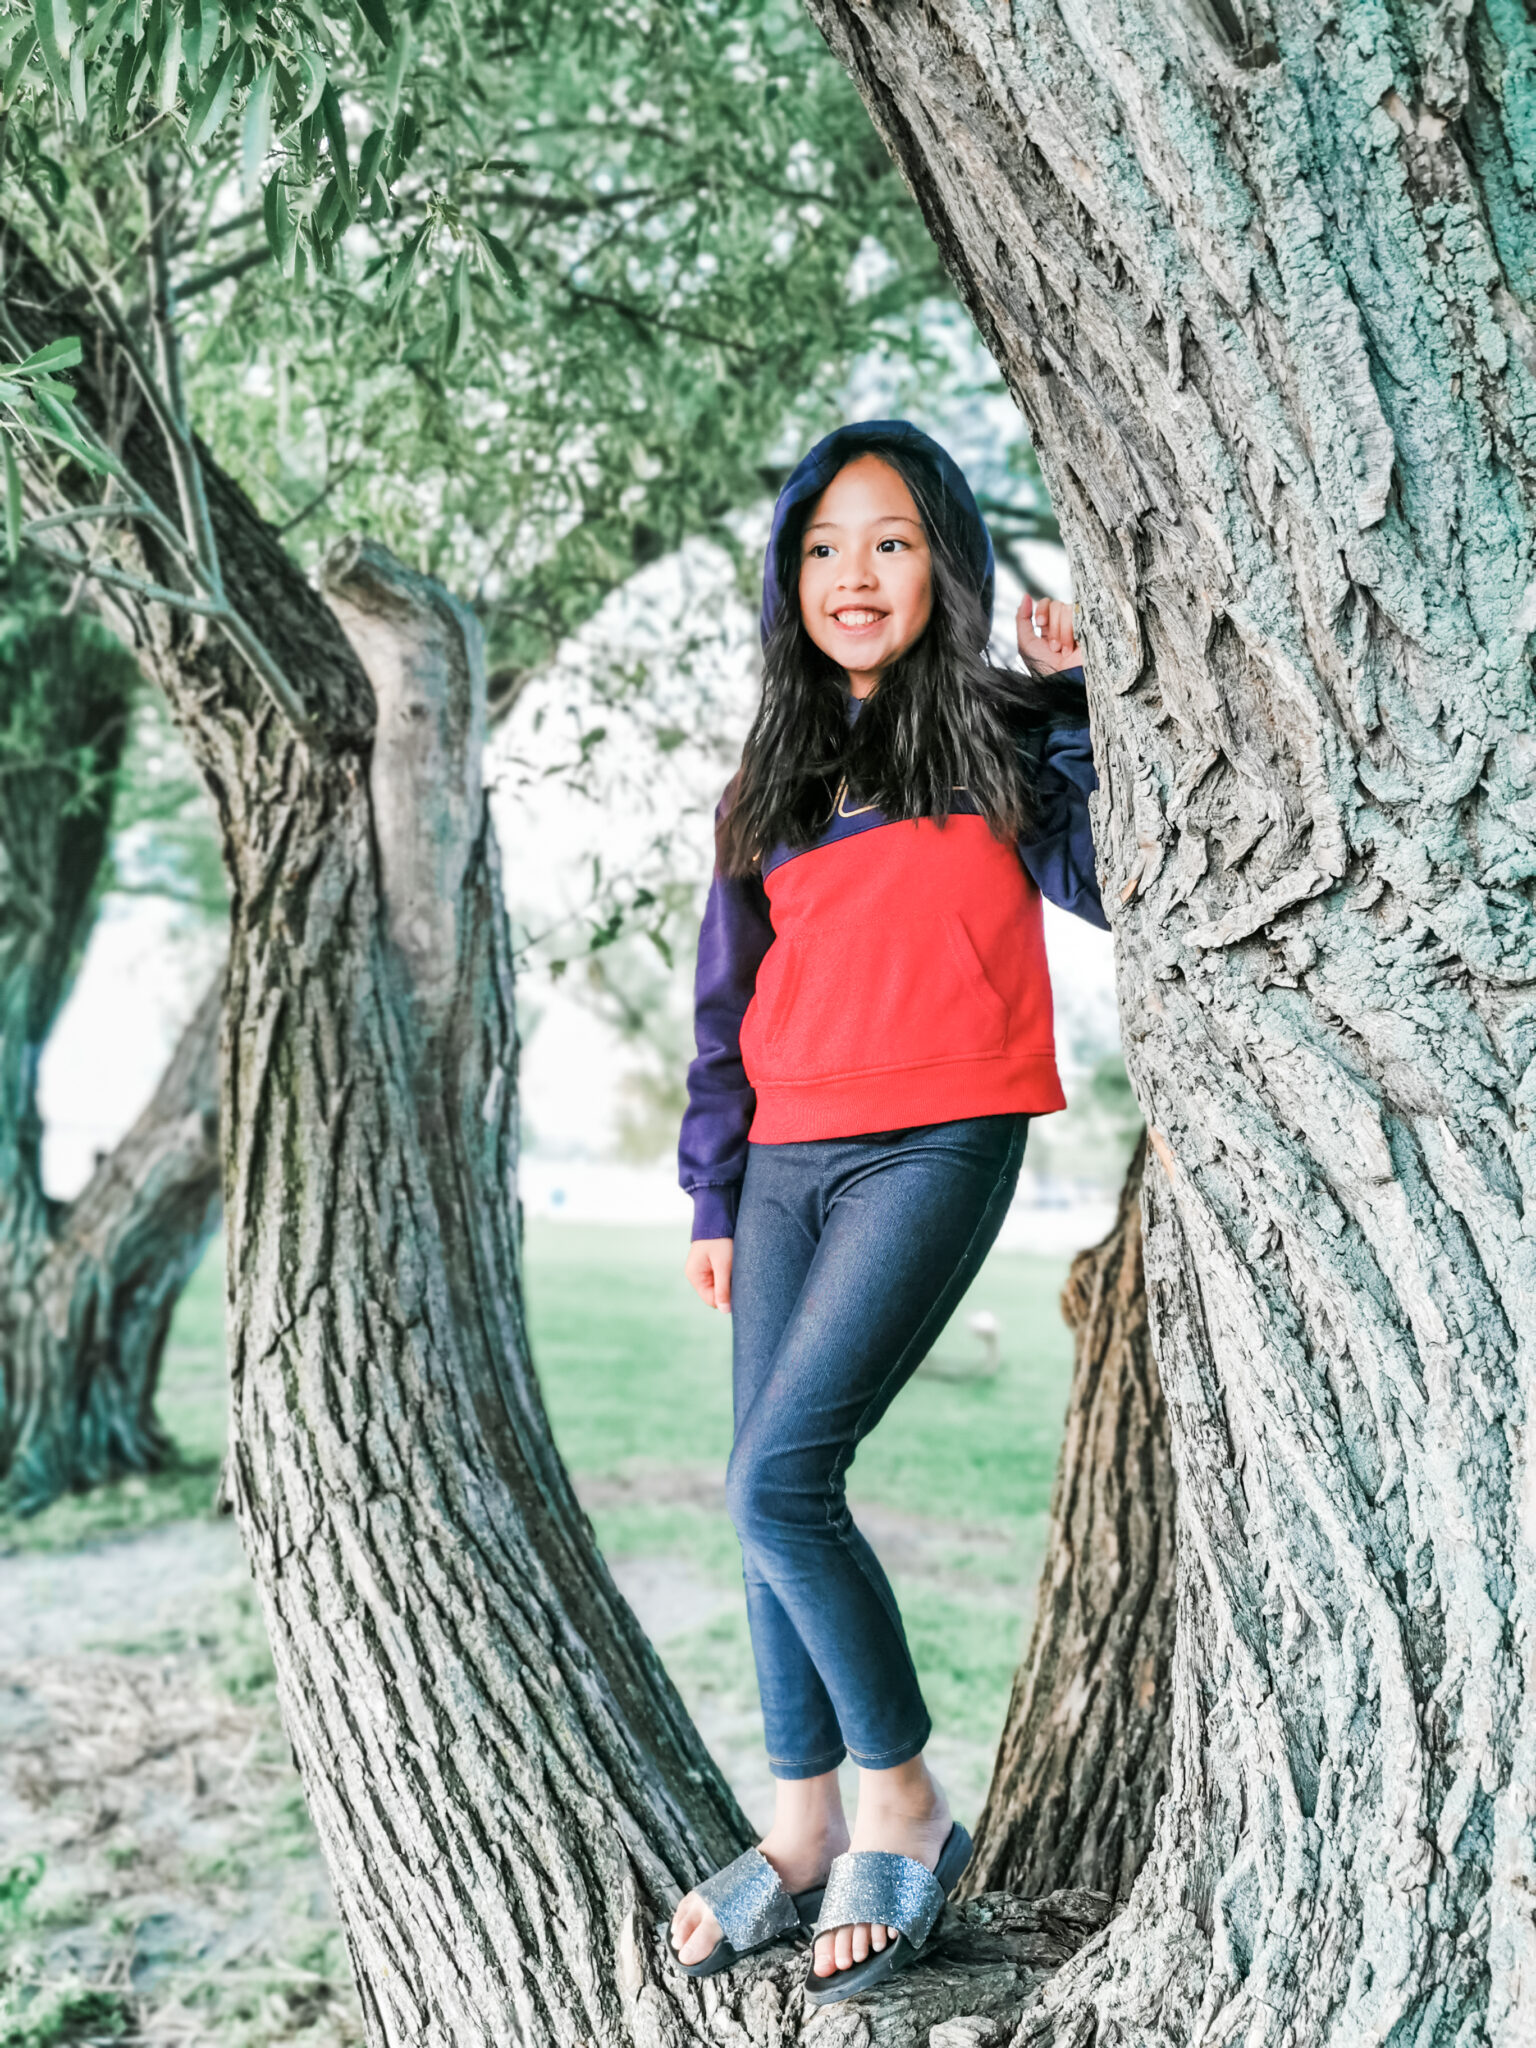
(708, 1271)
(1046, 638)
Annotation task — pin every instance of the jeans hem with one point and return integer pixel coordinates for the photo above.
(816, 1767)
(889, 1759)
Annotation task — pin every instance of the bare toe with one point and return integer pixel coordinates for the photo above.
(695, 1930)
(877, 1936)
(826, 1960)
(860, 1944)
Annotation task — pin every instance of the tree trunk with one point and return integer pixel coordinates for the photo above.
(86, 1288)
(84, 1343)
(508, 1792)
(1259, 277)
(1083, 1760)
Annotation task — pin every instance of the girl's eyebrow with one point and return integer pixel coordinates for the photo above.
(890, 519)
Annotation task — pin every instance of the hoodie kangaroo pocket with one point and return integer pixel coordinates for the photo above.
(857, 996)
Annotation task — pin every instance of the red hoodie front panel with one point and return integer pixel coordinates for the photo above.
(906, 984)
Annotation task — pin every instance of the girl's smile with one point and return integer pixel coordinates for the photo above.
(866, 575)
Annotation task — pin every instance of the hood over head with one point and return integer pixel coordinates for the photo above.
(948, 505)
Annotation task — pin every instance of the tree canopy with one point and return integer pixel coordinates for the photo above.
(530, 295)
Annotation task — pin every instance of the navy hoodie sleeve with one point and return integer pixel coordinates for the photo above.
(712, 1150)
(1058, 853)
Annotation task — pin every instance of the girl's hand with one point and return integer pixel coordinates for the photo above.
(708, 1271)
(1046, 639)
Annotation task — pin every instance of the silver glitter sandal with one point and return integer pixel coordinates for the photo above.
(884, 1890)
(753, 1909)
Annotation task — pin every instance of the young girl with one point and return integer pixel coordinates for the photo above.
(873, 1016)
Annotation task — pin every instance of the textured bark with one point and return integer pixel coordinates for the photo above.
(508, 1792)
(1083, 1759)
(86, 1288)
(1260, 278)
(87, 1310)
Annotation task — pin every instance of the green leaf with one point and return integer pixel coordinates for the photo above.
(20, 59)
(461, 318)
(63, 354)
(58, 414)
(64, 436)
(11, 394)
(123, 85)
(405, 266)
(368, 159)
(170, 64)
(108, 21)
(504, 260)
(396, 66)
(282, 232)
(313, 76)
(50, 15)
(208, 25)
(12, 502)
(376, 14)
(77, 97)
(213, 101)
(336, 135)
(54, 26)
(256, 130)
(328, 212)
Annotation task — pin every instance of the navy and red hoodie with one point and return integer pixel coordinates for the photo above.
(893, 972)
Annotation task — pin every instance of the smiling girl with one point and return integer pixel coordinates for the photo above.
(873, 1017)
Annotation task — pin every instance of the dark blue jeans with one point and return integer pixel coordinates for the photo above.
(851, 1255)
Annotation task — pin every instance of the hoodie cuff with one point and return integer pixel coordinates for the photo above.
(714, 1211)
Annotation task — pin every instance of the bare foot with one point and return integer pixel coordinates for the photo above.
(902, 1810)
(808, 1831)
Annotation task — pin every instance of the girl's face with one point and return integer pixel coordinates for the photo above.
(866, 575)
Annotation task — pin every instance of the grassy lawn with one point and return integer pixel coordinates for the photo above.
(636, 1373)
(953, 1491)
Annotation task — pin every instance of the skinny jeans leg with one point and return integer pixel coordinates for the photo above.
(851, 1255)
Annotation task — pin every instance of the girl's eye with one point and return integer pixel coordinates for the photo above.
(890, 544)
(818, 550)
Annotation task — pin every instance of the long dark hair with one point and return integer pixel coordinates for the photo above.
(944, 716)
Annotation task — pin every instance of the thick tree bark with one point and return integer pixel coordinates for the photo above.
(509, 1794)
(87, 1317)
(1260, 278)
(1083, 1759)
(86, 1288)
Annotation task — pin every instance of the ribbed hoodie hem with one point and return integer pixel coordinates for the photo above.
(891, 1098)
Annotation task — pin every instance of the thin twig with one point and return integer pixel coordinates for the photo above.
(314, 503)
(141, 586)
(162, 312)
(220, 273)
